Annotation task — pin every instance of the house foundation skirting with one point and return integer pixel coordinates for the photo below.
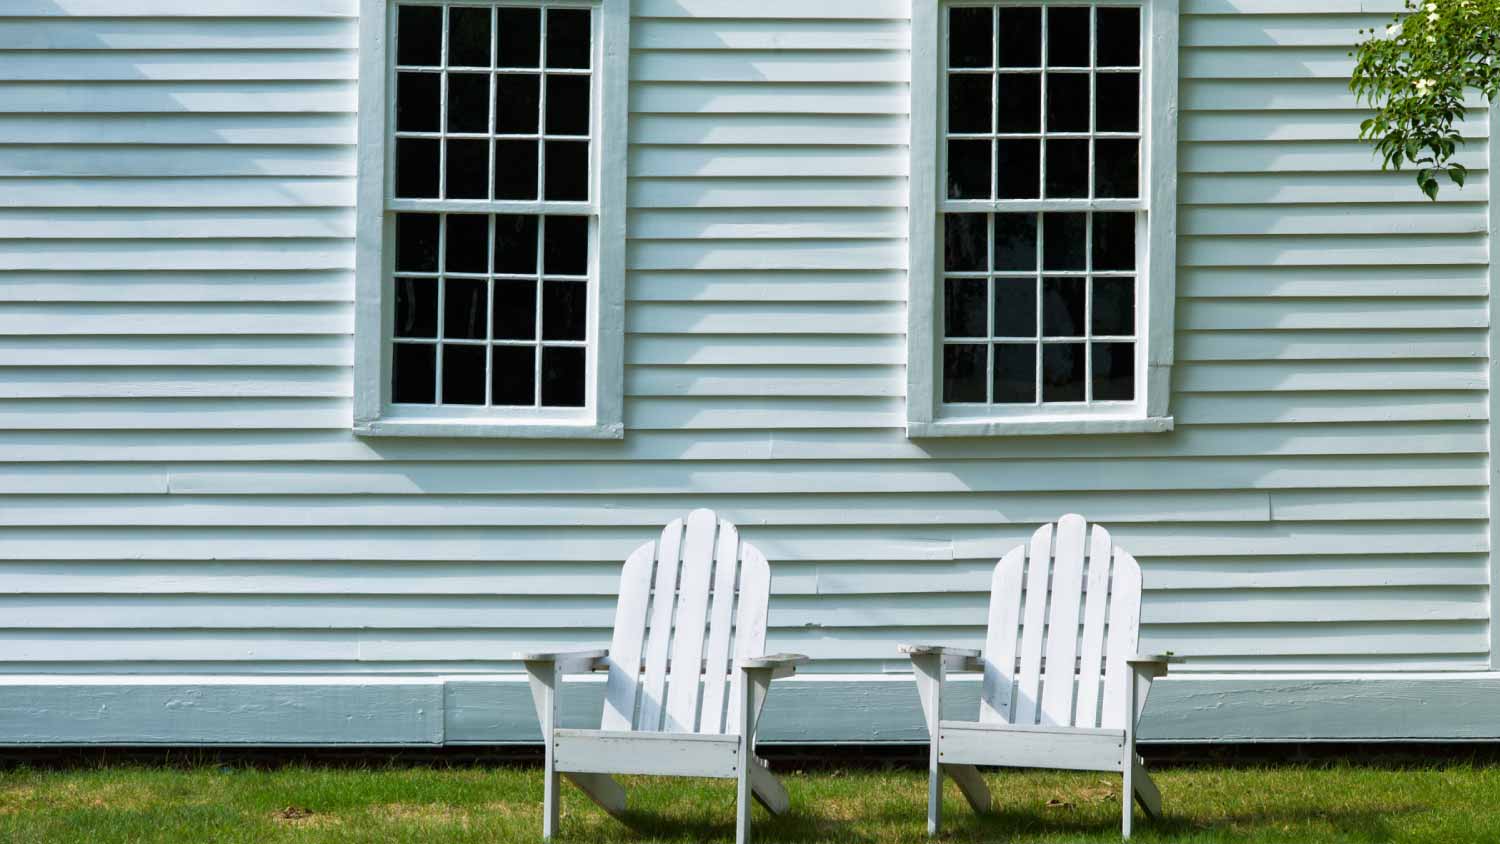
(810, 709)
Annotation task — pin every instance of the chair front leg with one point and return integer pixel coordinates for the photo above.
(928, 669)
(542, 676)
(755, 686)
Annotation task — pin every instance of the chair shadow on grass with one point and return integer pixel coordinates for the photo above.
(799, 824)
(1359, 826)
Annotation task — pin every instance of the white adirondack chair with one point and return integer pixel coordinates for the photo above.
(1067, 702)
(676, 626)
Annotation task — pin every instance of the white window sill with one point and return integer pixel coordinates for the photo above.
(1039, 426)
(496, 428)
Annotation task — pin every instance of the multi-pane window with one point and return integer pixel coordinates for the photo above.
(1041, 206)
(495, 229)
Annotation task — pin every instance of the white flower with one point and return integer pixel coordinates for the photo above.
(1424, 86)
(1433, 16)
(1432, 7)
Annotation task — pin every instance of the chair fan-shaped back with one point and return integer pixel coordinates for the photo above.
(688, 602)
(1060, 631)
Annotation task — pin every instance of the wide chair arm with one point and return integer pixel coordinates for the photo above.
(952, 658)
(566, 662)
(1153, 665)
(778, 665)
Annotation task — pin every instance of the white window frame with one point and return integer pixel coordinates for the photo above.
(1156, 250)
(602, 416)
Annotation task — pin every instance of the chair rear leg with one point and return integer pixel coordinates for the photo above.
(1127, 801)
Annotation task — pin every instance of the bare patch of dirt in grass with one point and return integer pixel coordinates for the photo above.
(303, 817)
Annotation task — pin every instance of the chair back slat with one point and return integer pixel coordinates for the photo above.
(1001, 642)
(687, 603)
(659, 633)
(1020, 687)
(1091, 646)
(750, 623)
(1034, 627)
(625, 648)
(690, 623)
(720, 630)
(1124, 630)
(1063, 608)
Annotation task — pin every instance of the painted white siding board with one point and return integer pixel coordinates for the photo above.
(174, 409)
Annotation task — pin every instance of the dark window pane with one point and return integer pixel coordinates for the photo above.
(1015, 373)
(567, 105)
(1015, 241)
(519, 38)
(1018, 168)
(513, 376)
(564, 310)
(1063, 240)
(970, 42)
(515, 169)
(1062, 307)
(969, 103)
(419, 36)
(1067, 102)
(563, 377)
(1119, 37)
(1021, 37)
(1119, 96)
(1067, 167)
(567, 170)
(964, 373)
(465, 308)
(968, 169)
(413, 373)
(468, 243)
(515, 310)
(1062, 372)
(566, 247)
(1114, 241)
(417, 168)
(515, 244)
(567, 38)
(416, 243)
(1020, 102)
(1114, 372)
(965, 242)
(1068, 36)
(517, 103)
(463, 374)
(1117, 168)
(1114, 307)
(418, 98)
(416, 307)
(964, 304)
(469, 36)
(469, 102)
(1015, 307)
(468, 169)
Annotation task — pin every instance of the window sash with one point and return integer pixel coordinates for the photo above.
(1039, 406)
(590, 209)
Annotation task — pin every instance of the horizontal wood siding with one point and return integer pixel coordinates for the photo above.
(182, 493)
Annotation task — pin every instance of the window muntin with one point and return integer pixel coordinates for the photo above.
(491, 177)
(1041, 215)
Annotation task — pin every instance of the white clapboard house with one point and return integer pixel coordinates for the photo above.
(348, 347)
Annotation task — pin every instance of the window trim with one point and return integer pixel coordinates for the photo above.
(603, 418)
(924, 417)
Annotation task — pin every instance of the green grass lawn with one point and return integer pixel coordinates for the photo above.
(198, 805)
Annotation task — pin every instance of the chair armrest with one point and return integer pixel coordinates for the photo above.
(1153, 664)
(567, 661)
(954, 659)
(938, 650)
(780, 665)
